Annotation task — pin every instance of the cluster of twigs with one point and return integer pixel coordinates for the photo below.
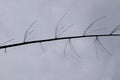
(59, 30)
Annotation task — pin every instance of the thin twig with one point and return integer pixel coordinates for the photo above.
(28, 32)
(92, 25)
(65, 47)
(58, 25)
(56, 39)
(42, 47)
(99, 42)
(72, 48)
(6, 42)
(65, 29)
(96, 48)
(95, 30)
(117, 28)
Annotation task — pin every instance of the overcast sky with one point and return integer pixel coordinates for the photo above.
(29, 62)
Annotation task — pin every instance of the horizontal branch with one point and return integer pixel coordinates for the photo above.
(56, 39)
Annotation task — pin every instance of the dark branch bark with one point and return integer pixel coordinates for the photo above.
(56, 39)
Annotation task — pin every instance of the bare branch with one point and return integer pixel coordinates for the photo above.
(117, 28)
(99, 42)
(57, 39)
(96, 30)
(65, 29)
(92, 25)
(42, 47)
(65, 47)
(69, 42)
(96, 49)
(6, 42)
(58, 25)
(72, 48)
(28, 32)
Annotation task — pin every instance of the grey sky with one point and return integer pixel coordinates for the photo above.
(31, 63)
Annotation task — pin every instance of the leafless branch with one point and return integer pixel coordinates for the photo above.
(65, 29)
(99, 42)
(65, 47)
(42, 47)
(57, 39)
(28, 32)
(96, 48)
(72, 48)
(92, 25)
(96, 30)
(59, 32)
(69, 42)
(117, 28)
(58, 25)
(6, 42)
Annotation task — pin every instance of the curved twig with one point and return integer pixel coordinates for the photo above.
(72, 48)
(96, 30)
(92, 25)
(28, 32)
(58, 25)
(56, 39)
(99, 42)
(6, 42)
(117, 28)
(65, 47)
(65, 29)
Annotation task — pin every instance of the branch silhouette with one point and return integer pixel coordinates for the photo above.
(56, 39)
(28, 32)
(86, 30)
(70, 44)
(59, 31)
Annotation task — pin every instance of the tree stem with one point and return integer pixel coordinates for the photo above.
(56, 39)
